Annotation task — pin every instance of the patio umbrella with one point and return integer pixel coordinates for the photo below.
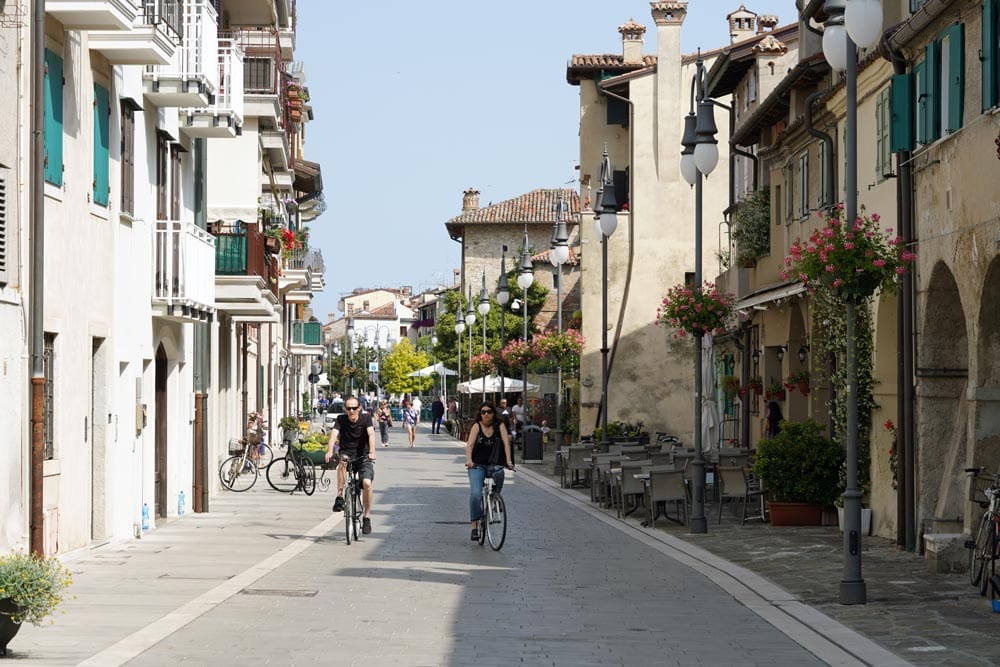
(427, 371)
(492, 385)
(709, 413)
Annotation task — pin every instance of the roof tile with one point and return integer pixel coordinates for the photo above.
(533, 207)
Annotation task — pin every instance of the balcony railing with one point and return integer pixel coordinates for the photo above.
(239, 251)
(182, 266)
(307, 333)
(230, 92)
(166, 13)
(197, 56)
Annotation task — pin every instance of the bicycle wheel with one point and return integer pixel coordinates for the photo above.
(349, 510)
(988, 561)
(282, 475)
(978, 550)
(264, 456)
(237, 473)
(496, 525)
(307, 476)
(484, 519)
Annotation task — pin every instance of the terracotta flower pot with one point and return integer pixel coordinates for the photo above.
(8, 628)
(794, 514)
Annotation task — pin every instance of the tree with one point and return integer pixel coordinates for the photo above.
(398, 364)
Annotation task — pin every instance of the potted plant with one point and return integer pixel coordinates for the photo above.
(798, 380)
(730, 385)
(752, 231)
(289, 428)
(800, 469)
(755, 385)
(314, 447)
(272, 239)
(775, 391)
(31, 588)
(695, 310)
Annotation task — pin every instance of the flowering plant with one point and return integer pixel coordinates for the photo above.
(482, 364)
(798, 379)
(517, 353)
(852, 259)
(695, 310)
(33, 584)
(775, 391)
(893, 456)
(564, 348)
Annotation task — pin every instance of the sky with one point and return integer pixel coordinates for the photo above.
(415, 102)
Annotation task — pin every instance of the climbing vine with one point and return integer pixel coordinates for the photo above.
(829, 325)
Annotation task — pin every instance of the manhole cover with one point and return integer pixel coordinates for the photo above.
(279, 592)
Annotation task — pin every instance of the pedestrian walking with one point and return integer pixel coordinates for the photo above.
(410, 416)
(384, 422)
(418, 406)
(437, 414)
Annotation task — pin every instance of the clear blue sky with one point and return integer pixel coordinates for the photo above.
(416, 101)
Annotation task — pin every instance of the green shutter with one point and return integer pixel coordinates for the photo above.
(901, 104)
(933, 90)
(989, 54)
(102, 120)
(954, 78)
(921, 104)
(53, 118)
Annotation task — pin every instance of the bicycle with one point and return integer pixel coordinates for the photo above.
(239, 471)
(354, 507)
(292, 472)
(983, 546)
(493, 522)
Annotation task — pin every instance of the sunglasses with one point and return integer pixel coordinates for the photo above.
(352, 408)
(485, 412)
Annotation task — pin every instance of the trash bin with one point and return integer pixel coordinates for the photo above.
(532, 445)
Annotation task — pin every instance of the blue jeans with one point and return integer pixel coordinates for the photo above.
(476, 476)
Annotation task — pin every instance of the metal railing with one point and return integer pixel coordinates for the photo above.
(197, 55)
(166, 13)
(182, 265)
(229, 93)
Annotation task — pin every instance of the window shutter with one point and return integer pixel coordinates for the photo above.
(901, 105)
(617, 112)
(932, 91)
(989, 54)
(620, 179)
(922, 106)
(4, 235)
(954, 78)
(102, 139)
(53, 118)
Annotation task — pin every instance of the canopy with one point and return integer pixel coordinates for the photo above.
(428, 371)
(492, 384)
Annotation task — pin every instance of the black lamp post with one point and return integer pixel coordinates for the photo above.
(699, 157)
(503, 297)
(484, 310)
(558, 254)
(605, 224)
(350, 347)
(525, 277)
(470, 320)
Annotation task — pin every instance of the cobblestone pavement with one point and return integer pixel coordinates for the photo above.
(923, 617)
(268, 578)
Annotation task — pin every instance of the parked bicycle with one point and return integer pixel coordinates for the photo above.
(239, 472)
(354, 507)
(292, 472)
(984, 489)
(493, 522)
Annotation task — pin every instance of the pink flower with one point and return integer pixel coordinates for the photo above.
(879, 263)
(838, 282)
(876, 217)
(900, 270)
(829, 268)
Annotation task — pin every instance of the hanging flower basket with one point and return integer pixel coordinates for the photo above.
(272, 244)
(482, 364)
(798, 380)
(695, 310)
(561, 348)
(517, 354)
(851, 259)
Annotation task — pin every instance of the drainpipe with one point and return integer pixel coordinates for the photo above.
(631, 237)
(906, 526)
(808, 12)
(831, 179)
(202, 345)
(36, 298)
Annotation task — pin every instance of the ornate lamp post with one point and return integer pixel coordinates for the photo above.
(503, 297)
(605, 224)
(350, 348)
(558, 254)
(849, 25)
(484, 310)
(470, 320)
(699, 157)
(525, 277)
(459, 330)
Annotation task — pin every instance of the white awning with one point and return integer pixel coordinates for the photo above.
(765, 296)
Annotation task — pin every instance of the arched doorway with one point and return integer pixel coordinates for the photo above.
(798, 402)
(942, 411)
(160, 447)
(986, 439)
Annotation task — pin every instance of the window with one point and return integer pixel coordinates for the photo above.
(990, 54)
(952, 77)
(102, 140)
(175, 181)
(689, 278)
(883, 121)
(162, 160)
(824, 174)
(617, 112)
(4, 267)
(752, 86)
(53, 118)
(789, 192)
(777, 205)
(128, 157)
(48, 408)
(258, 75)
(804, 185)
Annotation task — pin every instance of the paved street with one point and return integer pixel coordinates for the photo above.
(268, 579)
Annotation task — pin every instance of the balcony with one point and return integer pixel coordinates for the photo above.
(151, 40)
(275, 144)
(183, 288)
(307, 338)
(263, 72)
(192, 76)
(246, 277)
(223, 118)
(93, 14)
(296, 277)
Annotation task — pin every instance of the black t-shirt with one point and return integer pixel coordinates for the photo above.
(488, 449)
(354, 435)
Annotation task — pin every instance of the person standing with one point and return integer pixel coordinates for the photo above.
(518, 412)
(772, 420)
(437, 414)
(505, 414)
(417, 405)
(356, 434)
(487, 452)
(384, 422)
(410, 416)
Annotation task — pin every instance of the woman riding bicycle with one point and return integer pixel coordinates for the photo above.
(487, 452)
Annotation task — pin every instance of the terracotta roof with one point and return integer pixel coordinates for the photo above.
(543, 257)
(631, 26)
(584, 66)
(770, 44)
(534, 207)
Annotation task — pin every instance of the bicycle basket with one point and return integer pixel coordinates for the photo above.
(235, 446)
(978, 483)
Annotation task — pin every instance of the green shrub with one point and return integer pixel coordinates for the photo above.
(800, 465)
(34, 584)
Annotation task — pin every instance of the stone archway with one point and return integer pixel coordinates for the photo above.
(798, 404)
(942, 409)
(986, 425)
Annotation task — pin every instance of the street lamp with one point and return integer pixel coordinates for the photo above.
(605, 224)
(350, 347)
(848, 25)
(434, 342)
(700, 146)
(503, 296)
(525, 277)
(484, 310)
(558, 254)
(459, 330)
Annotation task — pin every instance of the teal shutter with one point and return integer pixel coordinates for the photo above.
(954, 78)
(989, 54)
(53, 118)
(102, 120)
(932, 90)
(901, 104)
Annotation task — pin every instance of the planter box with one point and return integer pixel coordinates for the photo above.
(319, 458)
(795, 514)
(866, 520)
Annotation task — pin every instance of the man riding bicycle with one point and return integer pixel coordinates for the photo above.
(356, 433)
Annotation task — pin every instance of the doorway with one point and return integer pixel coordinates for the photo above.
(160, 472)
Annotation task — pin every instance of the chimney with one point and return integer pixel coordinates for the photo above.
(766, 23)
(742, 24)
(631, 33)
(669, 18)
(456, 276)
(470, 200)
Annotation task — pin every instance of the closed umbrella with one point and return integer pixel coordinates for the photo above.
(709, 411)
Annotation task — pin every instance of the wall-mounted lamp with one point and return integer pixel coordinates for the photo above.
(756, 357)
(781, 352)
(803, 353)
